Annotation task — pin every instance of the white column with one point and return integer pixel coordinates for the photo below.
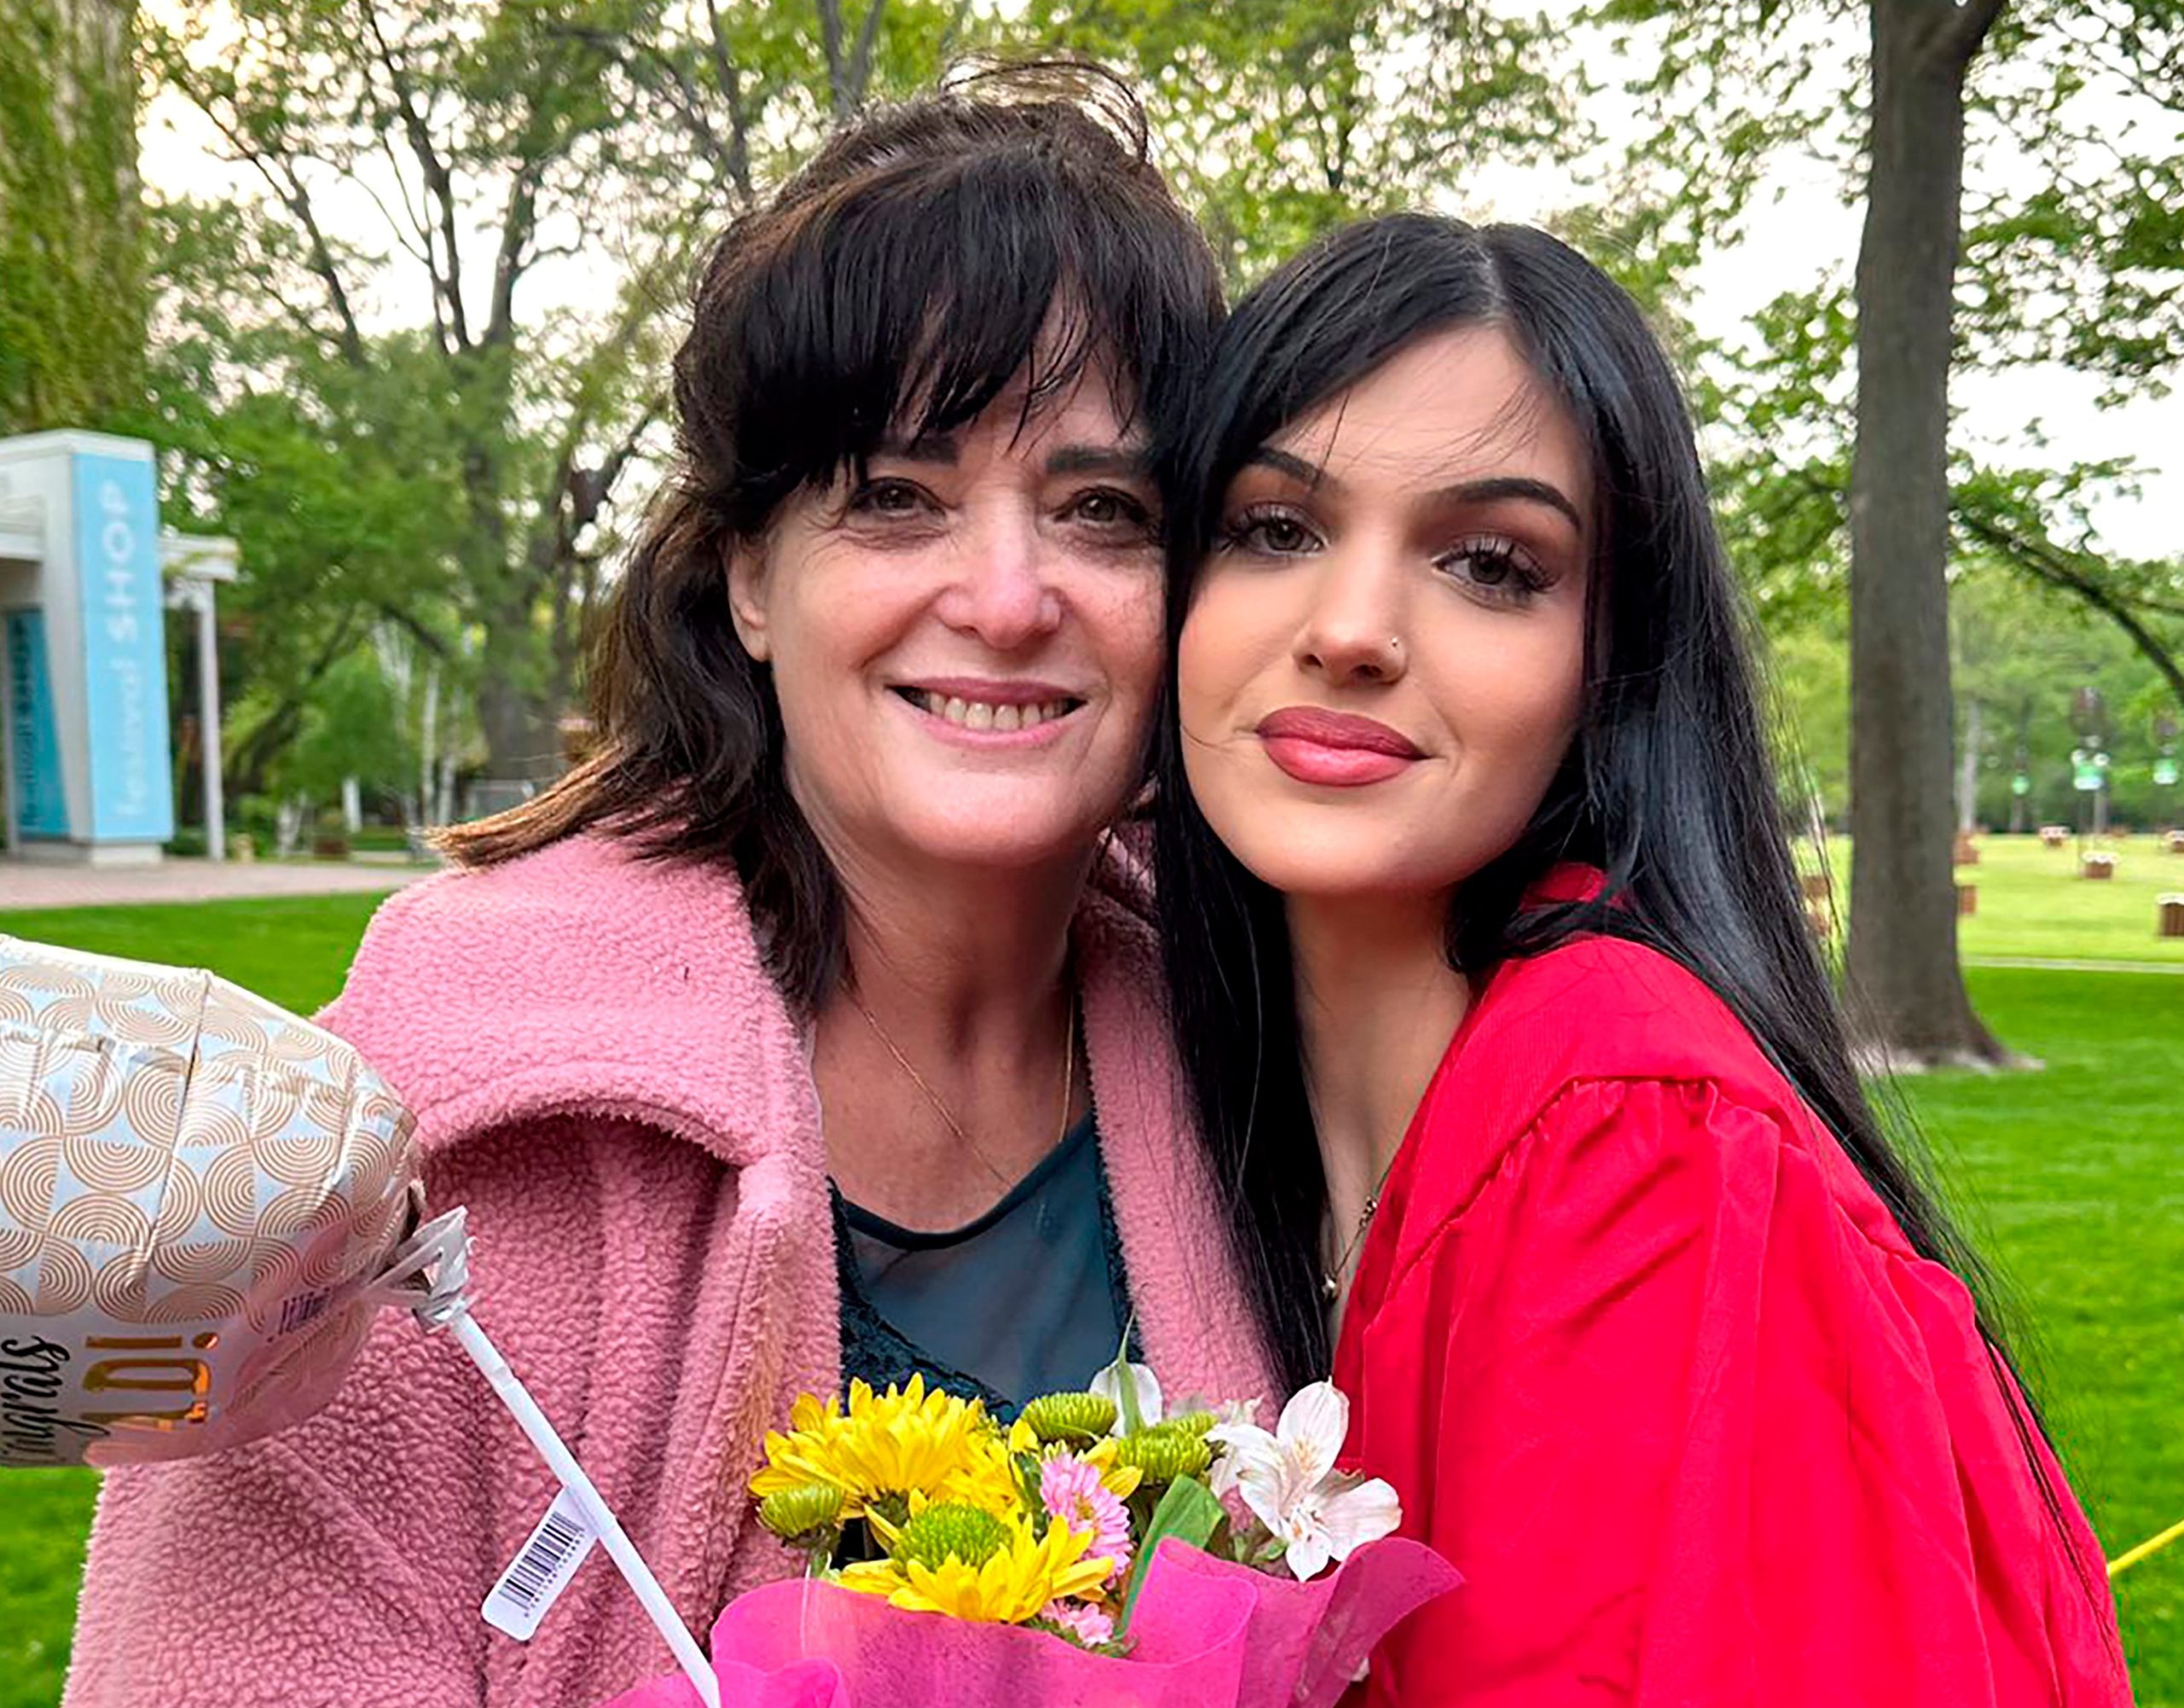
(208, 722)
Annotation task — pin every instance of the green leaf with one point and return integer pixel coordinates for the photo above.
(1188, 1512)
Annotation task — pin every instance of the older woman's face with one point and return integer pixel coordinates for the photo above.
(966, 641)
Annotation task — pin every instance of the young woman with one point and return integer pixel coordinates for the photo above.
(801, 1034)
(1500, 1011)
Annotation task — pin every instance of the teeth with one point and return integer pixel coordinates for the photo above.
(975, 714)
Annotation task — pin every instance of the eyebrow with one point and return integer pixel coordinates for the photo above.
(929, 448)
(1484, 491)
(1068, 459)
(1099, 459)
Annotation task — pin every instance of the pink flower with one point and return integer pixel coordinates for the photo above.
(1071, 1490)
(1087, 1623)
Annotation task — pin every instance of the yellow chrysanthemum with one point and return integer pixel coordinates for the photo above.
(1121, 1480)
(1011, 1584)
(905, 1441)
(986, 1478)
(804, 1454)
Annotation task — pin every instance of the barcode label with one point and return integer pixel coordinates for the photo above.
(542, 1571)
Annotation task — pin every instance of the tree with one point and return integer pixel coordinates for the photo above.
(1901, 960)
(72, 290)
(1858, 466)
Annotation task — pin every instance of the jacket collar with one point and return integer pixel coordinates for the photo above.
(580, 980)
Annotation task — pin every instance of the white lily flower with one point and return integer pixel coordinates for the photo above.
(1288, 1481)
(1146, 1386)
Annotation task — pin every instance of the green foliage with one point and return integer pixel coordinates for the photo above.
(352, 727)
(2020, 653)
(72, 290)
(1280, 119)
(1188, 1512)
(2071, 253)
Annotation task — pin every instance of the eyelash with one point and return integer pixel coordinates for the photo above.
(1132, 513)
(864, 500)
(1517, 578)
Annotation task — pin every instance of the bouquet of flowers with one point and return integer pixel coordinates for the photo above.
(1100, 1548)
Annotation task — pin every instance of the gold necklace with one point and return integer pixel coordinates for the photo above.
(1331, 1280)
(939, 1105)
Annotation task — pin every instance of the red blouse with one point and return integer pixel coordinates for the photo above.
(1648, 1360)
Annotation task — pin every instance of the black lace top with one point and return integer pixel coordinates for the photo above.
(1030, 1298)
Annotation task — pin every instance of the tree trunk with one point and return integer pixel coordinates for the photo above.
(522, 734)
(2023, 768)
(1967, 771)
(1907, 989)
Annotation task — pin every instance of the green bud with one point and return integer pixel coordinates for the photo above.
(1079, 1419)
(1194, 1422)
(803, 1515)
(952, 1530)
(1164, 1453)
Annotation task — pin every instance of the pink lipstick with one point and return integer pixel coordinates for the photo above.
(1335, 749)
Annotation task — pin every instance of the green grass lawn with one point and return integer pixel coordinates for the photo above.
(2031, 902)
(2075, 1175)
(292, 950)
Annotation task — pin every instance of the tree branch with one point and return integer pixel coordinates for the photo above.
(417, 630)
(731, 88)
(439, 182)
(861, 66)
(830, 37)
(1966, 28)
(2045, 563)
(517, 226)
(288, 188)
(279, 726)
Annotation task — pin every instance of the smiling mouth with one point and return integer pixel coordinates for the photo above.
(1002, 719)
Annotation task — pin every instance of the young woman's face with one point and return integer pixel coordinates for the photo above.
(1383, 661)
(966, 641)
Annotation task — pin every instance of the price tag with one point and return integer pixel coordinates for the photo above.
(538, 1574)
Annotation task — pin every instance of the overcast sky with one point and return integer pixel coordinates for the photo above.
(1799, 232)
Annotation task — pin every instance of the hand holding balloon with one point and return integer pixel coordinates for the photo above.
(197, 1191)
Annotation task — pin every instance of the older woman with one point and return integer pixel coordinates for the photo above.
(804, 1033)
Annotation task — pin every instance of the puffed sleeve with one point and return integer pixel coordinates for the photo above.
(1695, 1432)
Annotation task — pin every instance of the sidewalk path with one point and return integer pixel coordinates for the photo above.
(26, 884)
(2033, 964)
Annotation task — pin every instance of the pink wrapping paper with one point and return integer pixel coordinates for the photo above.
(1207, 1635)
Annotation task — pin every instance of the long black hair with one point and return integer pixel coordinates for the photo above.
(1668, 786)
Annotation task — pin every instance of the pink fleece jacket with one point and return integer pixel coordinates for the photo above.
(605, 1075)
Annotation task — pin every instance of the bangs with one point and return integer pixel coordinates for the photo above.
(902, 306)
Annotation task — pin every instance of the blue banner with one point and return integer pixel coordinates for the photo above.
(34, 762)
(124, 649)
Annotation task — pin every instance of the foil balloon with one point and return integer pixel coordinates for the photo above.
(205, 1202)
(197, 1193)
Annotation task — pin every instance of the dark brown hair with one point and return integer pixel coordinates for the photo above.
(1009, 223)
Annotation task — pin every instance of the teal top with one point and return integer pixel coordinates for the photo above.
(1030, 1298)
